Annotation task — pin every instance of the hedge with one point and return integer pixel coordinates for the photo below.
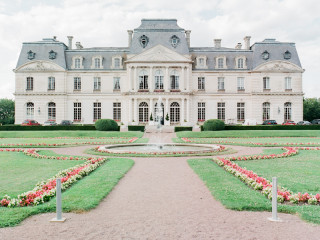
(136, 128)
(273, 127)
(86, 127)
(180, 128)
(213, 125)
(106, 125)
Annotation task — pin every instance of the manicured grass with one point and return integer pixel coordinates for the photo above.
(50, 134)
(82, 196)
(299, 173)
(251, 133)
(234, 194)
(20, 173)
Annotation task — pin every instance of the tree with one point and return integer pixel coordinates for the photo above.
(311, 109)
(6, 111)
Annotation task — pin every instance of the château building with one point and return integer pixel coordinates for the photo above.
(59, 82)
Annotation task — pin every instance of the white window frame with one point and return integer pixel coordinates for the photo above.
(77, 83)
(201, 111)
(29, 84)
(266, 83)
(113, 64)
(288, 83)
(96, 83)
(74, 66)
(96, 111)
(117, 111)
(77, 112)
(266, 111)
(94, 62)
(143, 83)
(287, 111)
(30, 110)
(221, 64)
(52, 111)
(158, 80)
(244, 62)
(221, 83)
(51, 83)
(143, 112)
(241, 111)
(240, 83)
(174, 80)
(221, 111)
(174, 112)
(201, 83)
(201, 62)
(116, 83)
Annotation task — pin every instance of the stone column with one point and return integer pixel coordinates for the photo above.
(130, 79)
(135, 81)
(130, 110)
(151, 109)
(166, 80)
(182, 81)
(188, 78)
(188, 110)
(151, 81)
(167, 108)
(182, 112)
(135, 110)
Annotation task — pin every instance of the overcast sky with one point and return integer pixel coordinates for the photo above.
(104, 23)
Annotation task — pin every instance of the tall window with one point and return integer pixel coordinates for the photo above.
(287, 111)
(77, 62)
(288, 83)
(143, 80)
(116, 63)
(220, 63)
(51, 111)
(158, 80)
(29, 83)
(220, 83)
(116, 83)
(158, 112)
(201, 62)
(265, 111)
(96, 111)
(174, 80)
(266, 83)
(174, 112)
(96, 83)
(51, 83)
(240, 83)
(97, 63)
(117, 111)
(201, 111)
(221, 111)
(240, 112)
(143, 112)
(77, 83)
(77, 111)
(240, 62)
(201, 83)
(30, 110)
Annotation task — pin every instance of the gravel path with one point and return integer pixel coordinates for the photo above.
(162, 198)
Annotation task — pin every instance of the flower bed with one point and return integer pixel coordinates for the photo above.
(46, 190)
(258, 183)
(273, 144)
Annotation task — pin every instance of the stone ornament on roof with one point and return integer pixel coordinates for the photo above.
(265, 55)
(144, 40)
(287, 55)
(52, 54)
(31, 55)
(174, 40)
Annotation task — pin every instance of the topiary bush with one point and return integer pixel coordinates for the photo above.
(213, 125)
(106, 125)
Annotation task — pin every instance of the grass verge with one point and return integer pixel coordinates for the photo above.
(82, 196)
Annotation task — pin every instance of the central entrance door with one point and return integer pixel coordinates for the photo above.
(159, 113)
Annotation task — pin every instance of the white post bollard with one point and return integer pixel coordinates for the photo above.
(274, 217)
(59, 217)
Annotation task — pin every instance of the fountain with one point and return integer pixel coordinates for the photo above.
(160, 148)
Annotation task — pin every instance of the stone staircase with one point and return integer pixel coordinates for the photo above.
(164, 129)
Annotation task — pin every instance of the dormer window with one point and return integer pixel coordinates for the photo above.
(201, 62)
(265, 55)
(144, 40)
(241, 62)
(174, 41)
(31, 55)
(77, 62)
(116, 62)
(96, 62)
(221, 62)
(52, 55)
(287, 55)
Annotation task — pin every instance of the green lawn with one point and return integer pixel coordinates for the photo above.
(250, 133)
(236, 195)
(299, 173)
(20, 173)
(82, 196)
(51, 134)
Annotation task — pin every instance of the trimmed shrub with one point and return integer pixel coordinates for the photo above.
(179, 129)
(106, 125)
(136, 128)
(274, 127)
(88, 127)
(213, 125)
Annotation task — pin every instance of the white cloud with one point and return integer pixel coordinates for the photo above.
(104, 23)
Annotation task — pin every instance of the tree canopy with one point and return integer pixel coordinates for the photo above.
(6, 111)
(311, 108)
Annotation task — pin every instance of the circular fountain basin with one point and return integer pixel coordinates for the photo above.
(159, 149)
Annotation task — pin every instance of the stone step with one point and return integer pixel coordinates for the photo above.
(164, 129)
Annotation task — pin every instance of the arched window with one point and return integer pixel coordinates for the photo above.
(117, 63)
(143, 112)
(77, 62)
(51, 111)
(158, 112)
(143, 80)
(220, 63)
(175, 112)
(287, 111)
(174, 80)
(240, 63)
(158, 80)
(265, 111)
(97, 63)
(30, 110)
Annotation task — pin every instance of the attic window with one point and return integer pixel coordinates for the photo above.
(52, 54)
(174, 41)
(265, 55)
(144, 40)
(287, 55)
(31, 55)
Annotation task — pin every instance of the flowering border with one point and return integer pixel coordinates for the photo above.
(63, 144)
(265, 186)
(199, 140)
(46, 190)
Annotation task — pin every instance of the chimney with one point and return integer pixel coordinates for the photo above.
(78, 45)
(130, 32)
(55, 38)
(217, 43)
(238, 46)
(70, 42)
(188, 37)
(247, 42)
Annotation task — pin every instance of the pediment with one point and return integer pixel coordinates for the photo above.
(39, 66)
(278, 66)
(158, 54)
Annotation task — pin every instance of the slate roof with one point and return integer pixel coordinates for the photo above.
(158, 31)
